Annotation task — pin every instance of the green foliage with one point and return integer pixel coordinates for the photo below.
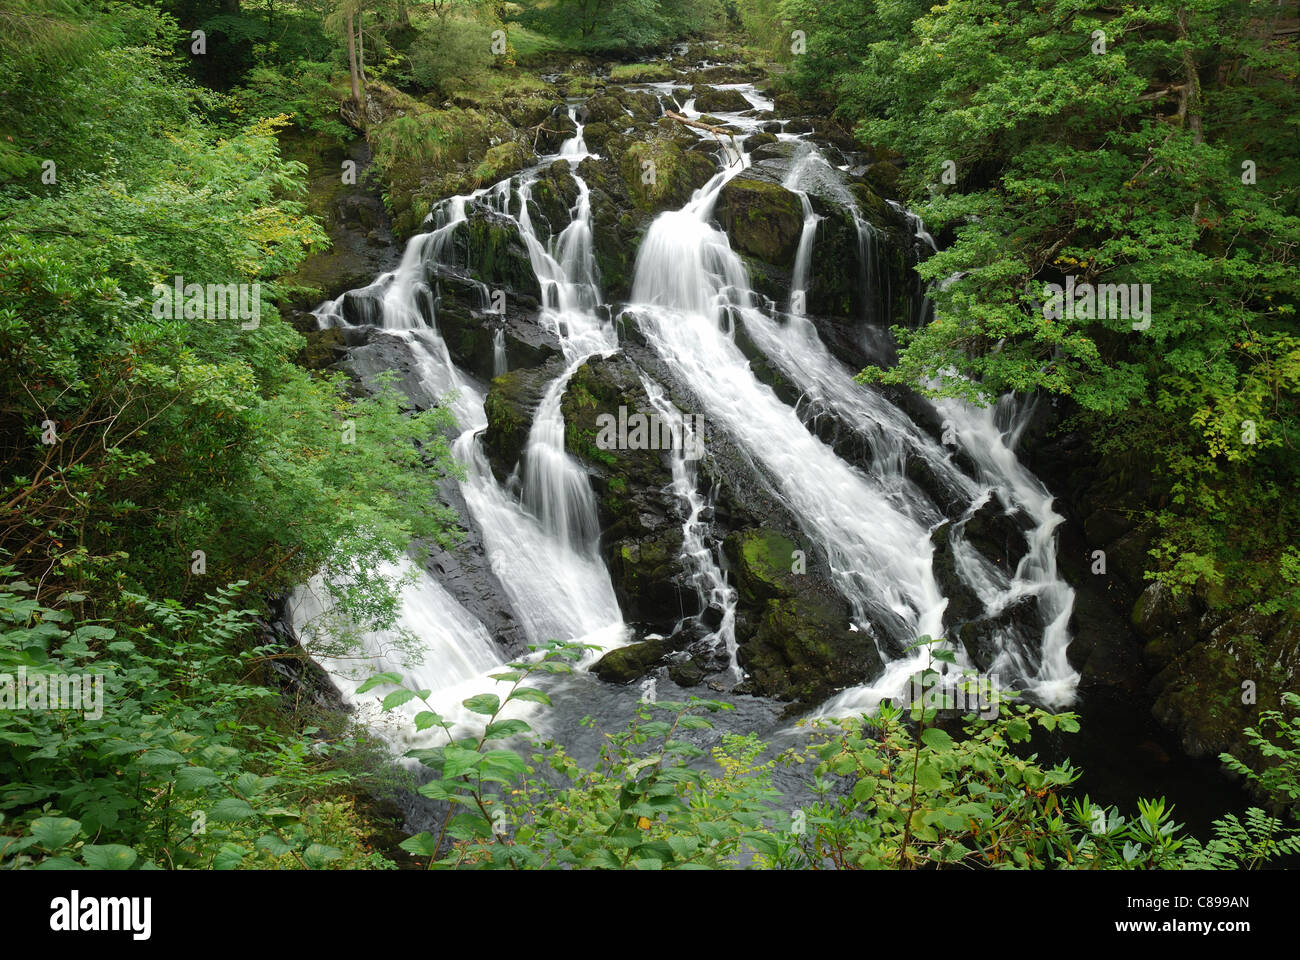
(173, 766)
(452, 53)
(307, 92)
(612, 25)
(185, 433)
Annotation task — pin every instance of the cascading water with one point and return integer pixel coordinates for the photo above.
(455, 653)
(711, 586)
(690, 290)
(688, 282)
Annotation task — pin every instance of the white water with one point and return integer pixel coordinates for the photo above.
(702, 562)
(688, 281)
(456, 654)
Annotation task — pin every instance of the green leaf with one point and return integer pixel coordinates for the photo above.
(54, 832)
(230, 810)
(109, 856)
(396, 699)
(505, 728)
(229, 857)
(531, 694)
(273, 845)
(927, 776)
(458, 760)
(426, 719)
(317, 855)
(865, 789)
(936, 739)
(484, 703)
(420, 845)
(378, 680)
(195, 778)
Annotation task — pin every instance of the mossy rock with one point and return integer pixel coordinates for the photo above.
(553, 195)
(605, 108)
(644, 106)
(764, 562)
(491, 246)
(648, 578)
(322, 349)
(501, 161)
(625, 664)
(803, 650)
(658, 175)
(713, 100)
(763, 219)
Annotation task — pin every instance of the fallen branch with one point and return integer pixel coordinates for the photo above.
(718, 132)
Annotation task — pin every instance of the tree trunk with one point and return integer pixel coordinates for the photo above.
(352, 68)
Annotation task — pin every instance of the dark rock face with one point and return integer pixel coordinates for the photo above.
(963, 603)
(1195, 662)
(491, 247)
(984, 636)
(552, 198)
(640, 516)
(468, 326)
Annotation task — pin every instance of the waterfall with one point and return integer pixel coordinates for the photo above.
(455, 652)
(498, 352)
(707, 575)
(690, 292)
(688, 282)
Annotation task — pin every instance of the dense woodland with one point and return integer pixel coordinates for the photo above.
(162, 477)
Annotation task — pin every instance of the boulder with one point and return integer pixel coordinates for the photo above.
(713, 100)
(625, 664)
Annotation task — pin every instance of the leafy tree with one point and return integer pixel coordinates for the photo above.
(1094, 145)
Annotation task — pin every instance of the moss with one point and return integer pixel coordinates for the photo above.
(625, 664)
(642, 72)
(672, 175)
(501, 161)
(762, 219)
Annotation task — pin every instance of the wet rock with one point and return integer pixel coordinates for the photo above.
(963, 603)
(490, 247)
(660, 175)
(625, 664)
(640, 517)
(997, 535)
(510, 405)
(469, 327)
(553, 196)
(1018, 623)
(687, 674)
(323, 348)
(802, 649)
